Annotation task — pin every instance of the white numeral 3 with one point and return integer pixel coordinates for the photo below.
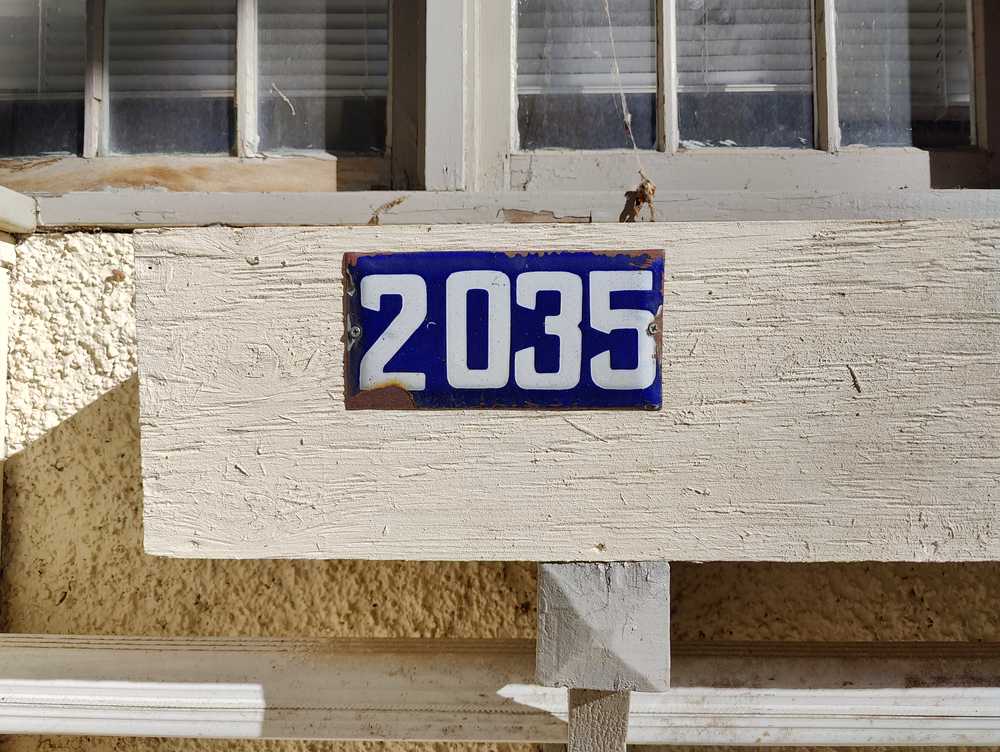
(566, 326)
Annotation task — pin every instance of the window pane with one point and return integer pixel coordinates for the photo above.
(42, 61)
(324, 74)
(172, 69)
(745, 73)
(903, 68)
(567, 91)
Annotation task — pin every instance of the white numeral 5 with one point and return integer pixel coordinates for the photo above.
(565, 325)
(414, 293)
(606, 319)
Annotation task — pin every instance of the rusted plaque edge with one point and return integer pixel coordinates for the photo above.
(425, 350)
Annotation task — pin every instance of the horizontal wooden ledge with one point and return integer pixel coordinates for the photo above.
(146, 209)
(17, 212)
(724, 693)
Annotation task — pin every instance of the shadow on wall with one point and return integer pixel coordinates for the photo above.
(73, 563)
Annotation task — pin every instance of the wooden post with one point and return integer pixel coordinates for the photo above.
(603, 630)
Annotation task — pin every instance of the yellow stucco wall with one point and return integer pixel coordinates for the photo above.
(72, 545)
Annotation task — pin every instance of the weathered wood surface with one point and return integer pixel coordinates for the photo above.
(742, 693)
(604, 625)
(155, 209)
(831, 392)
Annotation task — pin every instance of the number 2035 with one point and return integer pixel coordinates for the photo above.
(503, 292)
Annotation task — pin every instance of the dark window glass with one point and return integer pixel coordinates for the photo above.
(904, 72)
(172, 75)
(567, 89)
(42, 62)
(745, 73)
(324, 75)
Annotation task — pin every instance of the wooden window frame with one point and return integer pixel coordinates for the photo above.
(247, 168)
(475, 138)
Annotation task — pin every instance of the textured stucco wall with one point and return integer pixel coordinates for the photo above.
(72, 546)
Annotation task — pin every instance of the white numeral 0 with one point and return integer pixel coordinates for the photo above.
(497, 371)
(566, 326)
(606, 319)
(414, 292)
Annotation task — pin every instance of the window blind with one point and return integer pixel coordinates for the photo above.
(564, 47)
(172, 47)
(902, 56)
(331, 48)
(744, 45)
(42, 54)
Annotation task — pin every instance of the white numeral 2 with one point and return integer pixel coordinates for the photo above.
(414, 292)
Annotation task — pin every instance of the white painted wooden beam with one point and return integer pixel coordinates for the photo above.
(138, 209)
(830, 395)
(482, 691)
(17, 212)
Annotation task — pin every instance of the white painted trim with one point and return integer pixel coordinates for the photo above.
(8, 255)
(247, 69)
(95, 94)
(719, 169)
(490, 74)
(152, 209)
(825, 62)
(17, 212)
(447, 96)
(668, 122)
(482, 691)
(7, 259)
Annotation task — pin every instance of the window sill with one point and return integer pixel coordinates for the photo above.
(126, 210)
(17, 213)
(736, 169)
(207, 174)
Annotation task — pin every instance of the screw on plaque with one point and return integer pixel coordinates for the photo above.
(353, 335)
(651, 329)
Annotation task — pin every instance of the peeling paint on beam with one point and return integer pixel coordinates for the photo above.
(153, 209)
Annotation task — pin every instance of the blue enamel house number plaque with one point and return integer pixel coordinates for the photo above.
(480, 329)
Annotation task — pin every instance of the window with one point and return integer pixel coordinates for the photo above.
(41, 76)
(904, 72)
(324, 75)
(568, 94)
(745, 73)
(172, 76)
(165, 77)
